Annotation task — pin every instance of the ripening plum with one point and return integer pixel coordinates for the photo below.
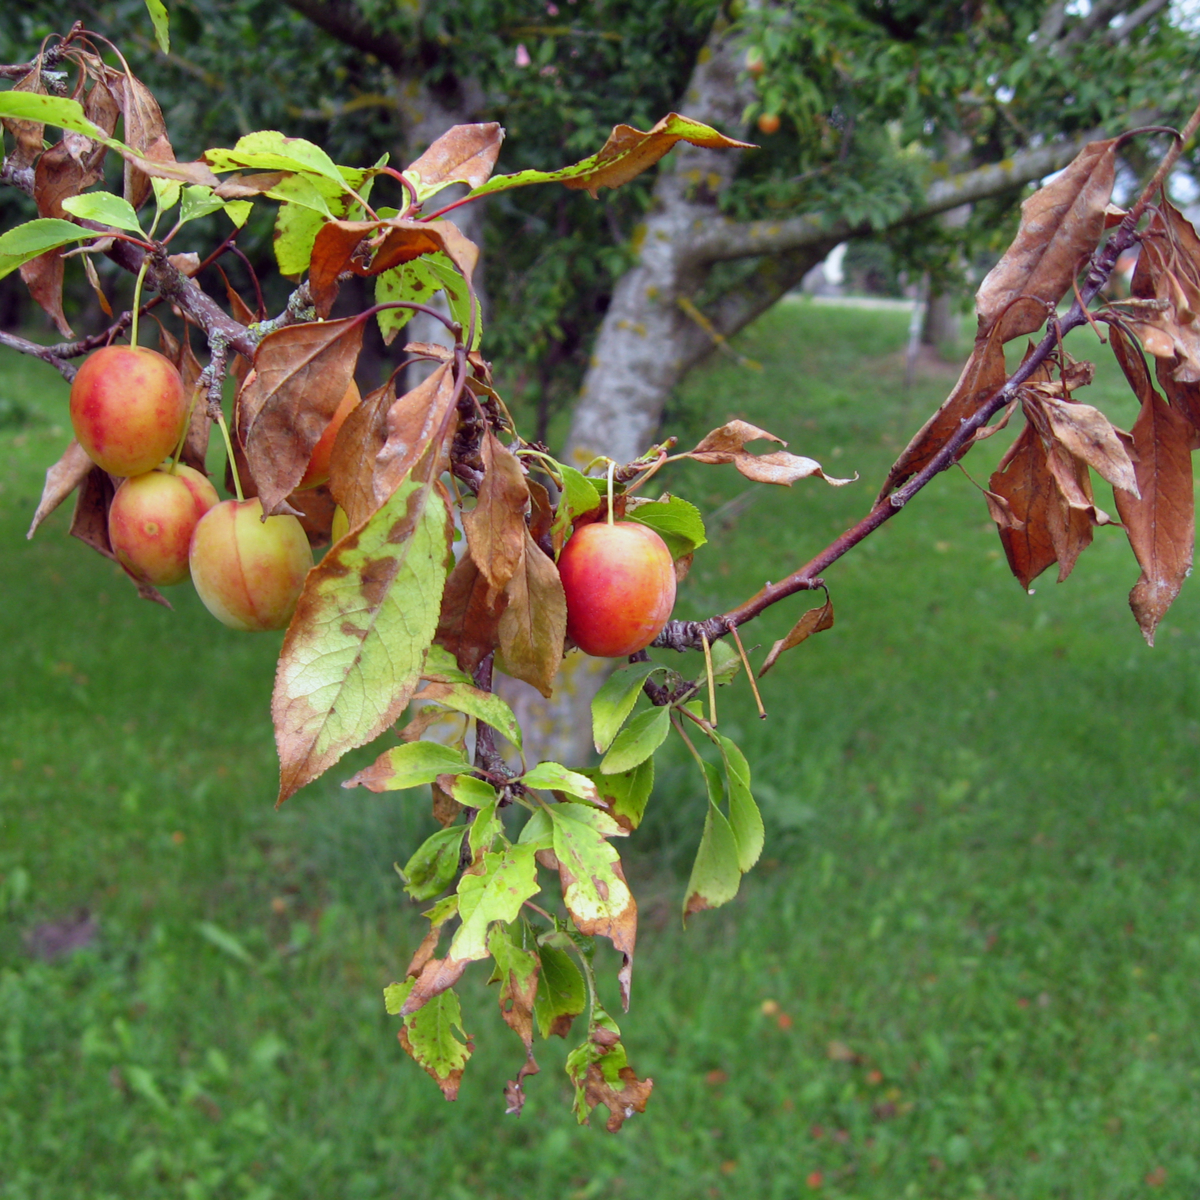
(249, 572)
(128, 408)
(619, 582)
(151, 521)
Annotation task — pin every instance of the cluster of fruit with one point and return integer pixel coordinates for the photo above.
(128, 411)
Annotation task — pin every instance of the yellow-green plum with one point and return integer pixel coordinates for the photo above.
(151, 521)
(249, 572)
(127, 408)
(619, 582)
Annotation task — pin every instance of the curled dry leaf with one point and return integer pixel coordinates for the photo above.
(495, 527)
(1061, 225)
(533, 627)
(727, 445)
(816, 620)
(463, 154)
(61, 480)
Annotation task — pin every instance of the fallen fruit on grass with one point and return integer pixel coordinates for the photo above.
(619, 582)
(127, 408)
(151, 521)
(249, 572)
(769, 123)
(317, 471)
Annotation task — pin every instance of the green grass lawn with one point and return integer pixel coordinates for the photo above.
(967, 966)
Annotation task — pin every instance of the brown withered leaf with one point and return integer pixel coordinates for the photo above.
(61, 480)
(541, 512)
(301, 373)
(413, 422)
(1161, 524)
(437, 975)
(1023, 481)
(1061, 225)
(816, 620)
(469, 626)
(352, 461)
(43, 276)
(448, 1083)
(983, 375)
(728, 445)
(445, 808)
(463, 154)
(89, 524)
(1000, 511)
(495, 527)
(622, 1103)
(1131, 361)
(27, 135)
(1071, 520)
(145, 133)
(242, 185)
(315, 506)
(533, 626)
(628, 151)
(1086, 433)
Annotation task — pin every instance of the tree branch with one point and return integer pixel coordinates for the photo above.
(343, 20)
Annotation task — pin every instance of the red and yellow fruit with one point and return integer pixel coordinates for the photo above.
(619, 582)
(249, 572)
(127, 409)
(151, 521)
(768, 123)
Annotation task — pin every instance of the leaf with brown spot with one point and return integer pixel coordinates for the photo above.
(469, 626)
(1061, 225)
(463, 154)
(61, 480)
(982, 377)
(436, 976)
(728, 445)
(1161, 525)
(495, 527)
(533, 626)
(353, 654)
(301, 373)
(414, 421)
(816, 620)
(1024, 483)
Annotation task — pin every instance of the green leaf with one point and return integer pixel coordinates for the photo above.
(638, 740)
(626, 792)
(418, 282)
(394, 996)
(442, 666)
(105, 208)
(434, 865)
(486, 825)
(160, 21)
(27, 241)
(353, 654)
(166, 193)
(552, 776)
(561, 994)
(198, 202)
(744, 817)
(538, 831)
(429, 1036)
(484, 706)
(409, 766)
(615, 700)
(716, 873)
(270, 150)
(580, 494)
(508, 879)
(727, 662)
(238, 211)
(53, 110)
(677, 522)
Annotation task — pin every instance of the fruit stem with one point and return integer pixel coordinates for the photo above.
(762, 712)
(187, 425)
(612, 467)
(712, 686)
(137, 300)
(237, 483)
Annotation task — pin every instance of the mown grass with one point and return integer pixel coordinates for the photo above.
(967, 965)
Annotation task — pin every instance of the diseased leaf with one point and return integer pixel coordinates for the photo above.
(61, 480)
(727, 445)
(463, 154)
(638, 740)
(434, 864)
(677, 522)
(517, 971)
(626, 154)
(1161, 523)
(533, 626)
(409, 765)
(561, 992)
(613, 703)
(552, 776)
(495, 892)
(1061, 225)
(1024, 483)
(816, 620)
(354, 651)
(716, 875)
(469, 625)
(1087, 433)
(601, 1073)
(485, 706)
(352, 461)
(414, 421)
(626, 793)
(495, 527)
(594, 888)
(161, 22)
(27, 134)
(301, 374)
(429, 1037)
